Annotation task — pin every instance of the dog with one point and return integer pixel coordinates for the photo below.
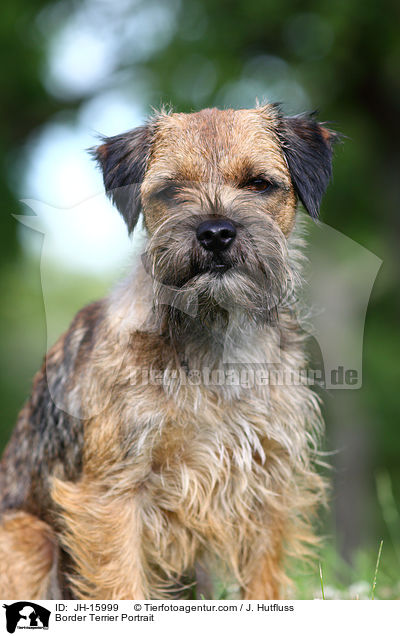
(143, 461)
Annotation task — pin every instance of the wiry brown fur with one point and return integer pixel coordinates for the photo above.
(28, 552)
(142, 482)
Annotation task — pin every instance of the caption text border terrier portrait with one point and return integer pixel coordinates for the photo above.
(113, 488)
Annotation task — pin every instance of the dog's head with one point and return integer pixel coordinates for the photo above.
(218, 191)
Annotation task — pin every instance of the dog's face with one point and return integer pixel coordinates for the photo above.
(216, 161)
(219, 190)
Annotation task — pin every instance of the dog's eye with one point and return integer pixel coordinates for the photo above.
(168, 192)
(259, 185)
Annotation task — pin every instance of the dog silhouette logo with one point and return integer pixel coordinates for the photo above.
(26, 615)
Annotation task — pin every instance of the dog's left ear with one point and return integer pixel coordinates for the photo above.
(123, 160)
(307, 147)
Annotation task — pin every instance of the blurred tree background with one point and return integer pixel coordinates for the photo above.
(343, 58)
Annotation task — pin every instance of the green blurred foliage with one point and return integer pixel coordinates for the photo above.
(24, 104)
(340, 57)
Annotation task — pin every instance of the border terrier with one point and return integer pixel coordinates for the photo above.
(114, 487)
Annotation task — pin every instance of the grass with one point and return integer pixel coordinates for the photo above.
(376, 569)
(363, 586)
(322, 581)
(374, 574)
(389, 509)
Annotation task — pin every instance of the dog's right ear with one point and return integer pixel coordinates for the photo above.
(123, 160)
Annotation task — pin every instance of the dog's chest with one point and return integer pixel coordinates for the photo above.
(213, 462)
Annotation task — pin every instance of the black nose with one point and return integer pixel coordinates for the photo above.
(216, 235)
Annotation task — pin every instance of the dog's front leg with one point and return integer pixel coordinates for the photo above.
(267, 575)
(102, 535)
(266, 581)
(28, 552)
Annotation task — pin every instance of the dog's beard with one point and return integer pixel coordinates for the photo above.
(194, 289)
